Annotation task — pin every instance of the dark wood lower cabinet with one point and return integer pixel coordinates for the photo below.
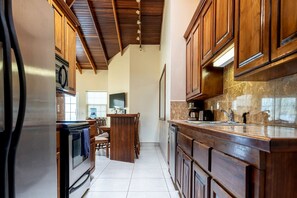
(178, 171)
(200, 183)
(186, 176)
(217, 191)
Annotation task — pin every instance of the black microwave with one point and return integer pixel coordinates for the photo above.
(62, 67)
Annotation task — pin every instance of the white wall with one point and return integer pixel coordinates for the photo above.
(137, 73)
(119, 75)
(144, 88)
(89, 81)
(176, 17)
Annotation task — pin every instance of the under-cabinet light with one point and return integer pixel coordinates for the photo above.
(225, 59)
(137, 12)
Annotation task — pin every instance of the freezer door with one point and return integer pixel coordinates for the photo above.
(35, 171)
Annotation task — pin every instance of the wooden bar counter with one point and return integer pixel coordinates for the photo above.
(122, 132)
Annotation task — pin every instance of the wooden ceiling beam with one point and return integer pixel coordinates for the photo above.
(117, 26)
(70, 3)
(78, 67)
(86, 49)
(98, 31)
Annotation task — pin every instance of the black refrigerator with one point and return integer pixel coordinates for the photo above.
(27, 100)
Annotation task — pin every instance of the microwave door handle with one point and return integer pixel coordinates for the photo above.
(63, 84)
(5, 135)
(22, 101)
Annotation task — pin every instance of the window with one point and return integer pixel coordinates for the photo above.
(97, 103)
(70, 107)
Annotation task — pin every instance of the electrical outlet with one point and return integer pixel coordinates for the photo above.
(218, 105)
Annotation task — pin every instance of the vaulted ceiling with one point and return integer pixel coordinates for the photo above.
(108, 26)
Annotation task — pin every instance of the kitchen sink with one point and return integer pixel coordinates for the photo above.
(214, 123)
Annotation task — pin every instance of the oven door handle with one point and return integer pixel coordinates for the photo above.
(74, 188)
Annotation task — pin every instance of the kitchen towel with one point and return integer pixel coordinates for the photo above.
(85, 140)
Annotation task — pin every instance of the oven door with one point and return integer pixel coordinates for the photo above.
(78, 163)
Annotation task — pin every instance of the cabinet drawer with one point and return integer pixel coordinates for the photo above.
(185, 142)
(231, 173)
(201, 154)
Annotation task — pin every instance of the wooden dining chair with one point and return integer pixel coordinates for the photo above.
(102, 139)
(136, 136)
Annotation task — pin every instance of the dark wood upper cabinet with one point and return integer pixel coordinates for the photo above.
(251, 35)
(193, 61)
(196, 67)
(265, 39)
(223, 23)
(200, 183)
(207, 31)
(59, 30)
(70, 55)
(189, 66)
(283, 28)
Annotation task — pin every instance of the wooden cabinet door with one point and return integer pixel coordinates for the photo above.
(189, 66)
(251, 35)
(217, 191)
(178, 167)
(186, 176)
(283, 28)
(196, 60)
(223, 23)
(200, 183)
(59, 31)
(207, 31)
(70, 54)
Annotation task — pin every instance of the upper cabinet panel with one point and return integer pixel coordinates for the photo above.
(196, 67)
(59, 30)
(207, 31)
(283, 28)
(223, 23)
(251, 35)
(189, 66)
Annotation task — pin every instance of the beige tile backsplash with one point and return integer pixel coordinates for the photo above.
(60, 106)
(272, 102)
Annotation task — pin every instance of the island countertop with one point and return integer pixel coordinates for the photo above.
(265, 138)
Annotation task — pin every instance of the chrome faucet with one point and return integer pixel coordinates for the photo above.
(230, 115)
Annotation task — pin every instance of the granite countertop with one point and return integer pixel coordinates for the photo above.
(266, 138)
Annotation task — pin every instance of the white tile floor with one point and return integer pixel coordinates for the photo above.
(148, 177)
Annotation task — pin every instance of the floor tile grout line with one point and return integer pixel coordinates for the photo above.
(130, 180)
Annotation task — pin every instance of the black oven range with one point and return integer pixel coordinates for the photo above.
(75, 159)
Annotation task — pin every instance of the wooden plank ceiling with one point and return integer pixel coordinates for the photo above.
(98, 38)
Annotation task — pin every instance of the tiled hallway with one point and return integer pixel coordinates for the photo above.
(148, 177)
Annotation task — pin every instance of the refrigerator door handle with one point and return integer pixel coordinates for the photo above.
(22, 102)
(5, 136)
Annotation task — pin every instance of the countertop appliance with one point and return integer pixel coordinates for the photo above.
(62, 67)
(27, 100)
(172, 141)
(205, 115)
(75, 160)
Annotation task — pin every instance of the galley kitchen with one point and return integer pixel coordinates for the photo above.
(142, 98)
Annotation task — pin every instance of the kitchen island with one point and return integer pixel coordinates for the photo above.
(235, 160)
(122, 136)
